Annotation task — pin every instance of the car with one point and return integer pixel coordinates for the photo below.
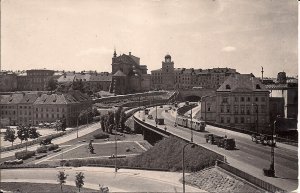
(150, 117)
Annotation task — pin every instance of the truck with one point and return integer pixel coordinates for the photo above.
(226, 143)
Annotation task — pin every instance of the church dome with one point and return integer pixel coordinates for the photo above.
(167, 56)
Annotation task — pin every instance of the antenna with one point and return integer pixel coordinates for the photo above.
(262, 74)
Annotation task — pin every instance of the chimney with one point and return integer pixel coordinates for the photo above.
(129, 53)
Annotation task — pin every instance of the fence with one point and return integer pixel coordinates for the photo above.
(256, 181)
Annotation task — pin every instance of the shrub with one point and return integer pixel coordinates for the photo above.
(52, 147)
(24, 154)
(101, 136)
(42, 149)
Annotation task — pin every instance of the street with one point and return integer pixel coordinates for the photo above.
(248, 156)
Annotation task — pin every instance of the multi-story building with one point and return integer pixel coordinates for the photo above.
(9, 108)
(8, 82)
(25, 108)
(242, 101)
(170, 78)
(51, 107)
(36, 108)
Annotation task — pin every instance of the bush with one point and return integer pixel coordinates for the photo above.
(101, 136)
(24, 154)
(52, 147)
(42, 149)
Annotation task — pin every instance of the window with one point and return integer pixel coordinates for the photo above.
(263, 99)
(228, 109)
(227, 86)
(37, 109)
(242, 109)
(236, 99)
(258, 86)
(242, 99)
(248, 110)
(248, 99)
(225, 100)
(236, 109)
(236, 120)
(222, 119)
(222, 109)
(228, 119)
(256, 99)
(242, 120)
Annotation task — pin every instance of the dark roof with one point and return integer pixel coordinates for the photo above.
(126, 59)
(71, 97)
(101, 77)
(29, 98)
(242, 83)
(12, 99)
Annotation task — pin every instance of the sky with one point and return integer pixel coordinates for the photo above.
(82, 34)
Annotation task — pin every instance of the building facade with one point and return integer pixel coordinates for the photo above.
(170, 78)
(36, 108)
(8, 82)
(128, 75)
(242, 101)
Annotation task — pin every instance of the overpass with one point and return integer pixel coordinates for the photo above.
(241, 158)
(194, 95)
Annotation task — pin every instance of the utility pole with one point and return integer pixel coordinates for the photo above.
(116, 151)
(77, 127)
(156, 116)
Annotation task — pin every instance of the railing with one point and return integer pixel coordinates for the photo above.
(256, 181)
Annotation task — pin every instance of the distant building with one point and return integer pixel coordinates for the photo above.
(128, 75)
(170, 78)
(242, 101)
(8, 82)
(9, 108)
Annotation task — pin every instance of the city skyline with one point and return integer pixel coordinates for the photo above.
(76, 35)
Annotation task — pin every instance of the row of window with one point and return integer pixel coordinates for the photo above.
(244, 99)
(236, 120)
(243, 109)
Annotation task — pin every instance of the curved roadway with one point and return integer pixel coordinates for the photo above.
(249, 156)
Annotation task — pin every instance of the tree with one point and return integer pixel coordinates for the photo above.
(52, 84)
(61, 179)
(118, 116)
(10, 135)
(63, 123)
(122, 120)
(102, 122)
(79, 180)
(23, 133)
(33, 134)
(96, 112)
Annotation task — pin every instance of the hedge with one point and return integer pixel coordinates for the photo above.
(101, 136)
(24, 154)
(42, 149)
(52, 147)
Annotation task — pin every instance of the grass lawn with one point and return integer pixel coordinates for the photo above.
(40, 188)
(102, 150)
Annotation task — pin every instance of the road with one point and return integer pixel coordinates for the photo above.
(59, 140)
(248, 156)
(125, 180)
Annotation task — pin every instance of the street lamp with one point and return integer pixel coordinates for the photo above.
(191, 124)
(272, 167)
(77, 127)
(183, 165)
(254, 104)
(156, 116)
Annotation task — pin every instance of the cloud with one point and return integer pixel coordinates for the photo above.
(95, 51)
(228, 49)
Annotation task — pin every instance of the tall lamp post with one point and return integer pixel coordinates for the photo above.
(254, 104)
(77, 127)
(156, 116)
(272, 166)
(191, 124)
(183, 165)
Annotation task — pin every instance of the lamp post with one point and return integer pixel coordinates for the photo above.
(254, 104)
(191, 124)
(116, 151)
(156, 116)
(183, 165)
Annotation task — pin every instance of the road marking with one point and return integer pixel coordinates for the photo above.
(140, 145)
(47, 158)
(95, 157)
